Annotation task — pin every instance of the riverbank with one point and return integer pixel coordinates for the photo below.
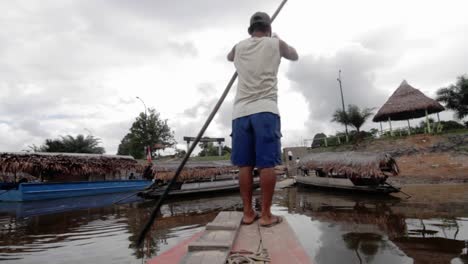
(431, 159)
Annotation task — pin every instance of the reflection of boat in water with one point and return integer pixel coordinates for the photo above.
(195, 188)
(352, 171)
(430, 249)
(44, 207)
(373, 225)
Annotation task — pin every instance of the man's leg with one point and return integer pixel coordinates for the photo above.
(267, 184)
(246, 190)
(243, 156)
(267, 128)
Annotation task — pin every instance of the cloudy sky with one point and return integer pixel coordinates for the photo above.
(75, 67)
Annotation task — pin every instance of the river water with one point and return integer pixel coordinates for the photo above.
(431, 227)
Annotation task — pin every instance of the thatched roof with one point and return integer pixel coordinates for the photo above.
(199, 170)
(405, 103)
(69, 164)
(351, 164)
(192, 173)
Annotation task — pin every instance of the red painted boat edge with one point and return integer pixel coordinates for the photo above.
(176, 253)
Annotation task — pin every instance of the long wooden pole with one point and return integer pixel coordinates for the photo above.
(343, 105)
(159, 203)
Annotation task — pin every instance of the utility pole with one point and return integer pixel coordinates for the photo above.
(342, 103)
(147, 148)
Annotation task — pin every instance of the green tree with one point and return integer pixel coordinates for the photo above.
(209, 149)
(70, 144)
(455, 97)
(146, 131)
(353, 116)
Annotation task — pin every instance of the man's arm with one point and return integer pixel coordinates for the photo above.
(287, 51)
(231, 54)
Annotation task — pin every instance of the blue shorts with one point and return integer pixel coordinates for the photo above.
(256, 140)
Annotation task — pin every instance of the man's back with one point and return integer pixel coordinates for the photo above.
(257, 61)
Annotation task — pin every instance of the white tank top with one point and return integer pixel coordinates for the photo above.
(257, 61)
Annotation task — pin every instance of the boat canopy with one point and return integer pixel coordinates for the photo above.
(351, 164)
(69, 164)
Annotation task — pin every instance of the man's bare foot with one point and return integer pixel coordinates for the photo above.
(271, 220)
(249, 217)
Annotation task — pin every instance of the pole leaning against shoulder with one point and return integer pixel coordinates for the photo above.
(160, 201)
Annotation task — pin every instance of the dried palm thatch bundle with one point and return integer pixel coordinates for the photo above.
(193, 173)
(351, 164)
(69, 164)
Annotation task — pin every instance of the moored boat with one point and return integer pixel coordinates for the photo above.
(40, 176)
(199, 187)
(353, 171)
(43, 191)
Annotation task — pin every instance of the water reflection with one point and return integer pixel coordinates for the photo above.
(106, 234)
(364, 243)
(333, 228)
(369, 229)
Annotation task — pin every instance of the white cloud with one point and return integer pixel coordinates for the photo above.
(70, 66)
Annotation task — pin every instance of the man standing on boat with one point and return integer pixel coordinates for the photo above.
(256, 128)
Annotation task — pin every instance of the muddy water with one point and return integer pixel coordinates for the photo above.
(431, 227)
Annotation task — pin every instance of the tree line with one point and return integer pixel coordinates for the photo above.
(151, 130)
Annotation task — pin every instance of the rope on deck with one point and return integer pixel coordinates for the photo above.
(247, 257)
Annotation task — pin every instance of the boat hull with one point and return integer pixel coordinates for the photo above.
(222, 186)
(343, 184)
(45, 191)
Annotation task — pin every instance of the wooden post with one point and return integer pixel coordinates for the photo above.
(409, 127)
(390, 122)
(326, 142)
(439, 126)
(381, 128)
(427, 123)
(220, 148)
(339, 141)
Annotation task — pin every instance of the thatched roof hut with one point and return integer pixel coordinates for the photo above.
(351, 164)
(406, 103)
(65, 164)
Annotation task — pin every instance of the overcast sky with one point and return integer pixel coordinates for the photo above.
(75, 67)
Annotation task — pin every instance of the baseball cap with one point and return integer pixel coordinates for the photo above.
(259, 18)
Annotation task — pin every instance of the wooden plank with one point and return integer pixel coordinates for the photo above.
(280, 242)
(204, 257)
(215, 244)
(226, 220)
(214, 240)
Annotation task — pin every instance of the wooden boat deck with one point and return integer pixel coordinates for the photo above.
(225, 235)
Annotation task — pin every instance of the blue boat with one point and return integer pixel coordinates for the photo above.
(44, 191)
